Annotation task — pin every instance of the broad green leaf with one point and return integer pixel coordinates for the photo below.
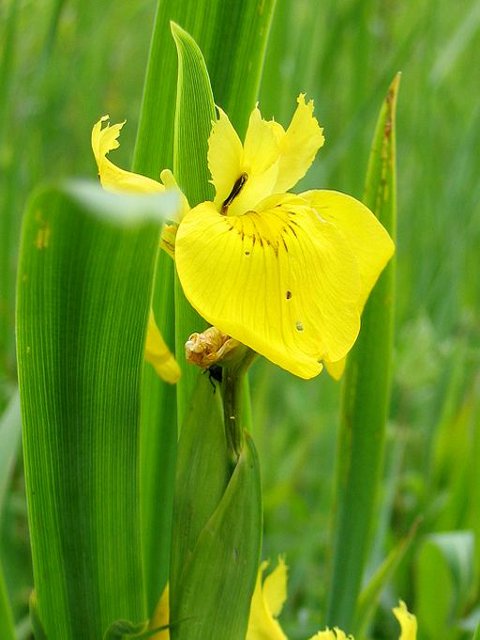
(445, 559)
(10, 432)
(219, 578)
(203, 472)
(366, 393)
(84, 289)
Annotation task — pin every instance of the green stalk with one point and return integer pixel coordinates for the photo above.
(7, 629)
(366, 394)
(84, 288)
(233, 40)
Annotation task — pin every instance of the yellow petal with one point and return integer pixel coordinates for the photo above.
(161, 617)
(275, 588)
(281, 280)
(261, 623)
(228, 161)
(225, 156)
(158, 354)
(408, 622)
(105, 139)
(368, 240)
(335, 369)
(298, 145)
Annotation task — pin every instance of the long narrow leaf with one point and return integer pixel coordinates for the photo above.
(84, 287)
(366, 393)
(193, 122)
(7, 630)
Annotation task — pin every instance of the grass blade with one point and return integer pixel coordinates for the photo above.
(84, 287)
(366, 393)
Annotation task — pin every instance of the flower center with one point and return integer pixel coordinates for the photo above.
(237, 187)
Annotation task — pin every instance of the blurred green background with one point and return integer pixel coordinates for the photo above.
(64, 63)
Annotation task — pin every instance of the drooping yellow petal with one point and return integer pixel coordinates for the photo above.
(368, 240)
(281, 280)
(104, 140)
(161, 617)
(298, 146)
(407, 620)
(158, 354)
(267, 601)
(335, 369)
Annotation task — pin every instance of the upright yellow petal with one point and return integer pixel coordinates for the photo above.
(158, 354)
(408, 622)
(261, 623)
(255, 163)
(275, 588)
(104, 140)
(281, 280)
(368, 240)
(298, 146)
(225, 156)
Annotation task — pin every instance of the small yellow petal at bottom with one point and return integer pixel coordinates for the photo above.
(336, 369)
(161, 617)
(407, 620)
(158, 354)
(262, 624)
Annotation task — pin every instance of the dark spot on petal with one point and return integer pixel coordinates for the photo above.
(288, 295)
(299, 326)
(247, 253)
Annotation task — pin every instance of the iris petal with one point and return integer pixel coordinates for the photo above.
(280, 280)
(298, 146)
(104, 140)
(266, 600)
(369, 242)
(407, 620)
(158, 354)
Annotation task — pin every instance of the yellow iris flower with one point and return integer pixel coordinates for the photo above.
(268, 600)
(105, 139)
(287, 275)
(267, 603)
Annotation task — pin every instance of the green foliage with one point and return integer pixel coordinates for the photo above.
(342, 54)
(85, 280)
(366, 392)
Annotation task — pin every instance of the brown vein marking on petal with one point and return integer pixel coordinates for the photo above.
(274, 229)
(237, 187)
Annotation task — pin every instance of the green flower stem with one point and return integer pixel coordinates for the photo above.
(233, 394)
